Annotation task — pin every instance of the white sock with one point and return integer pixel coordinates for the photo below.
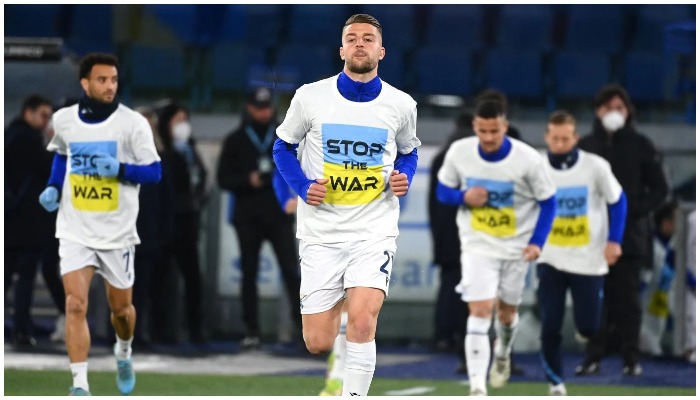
(340, 350)
(79, 371)
(359, 368)
(122, 349)
(478, 350)
(506, 337)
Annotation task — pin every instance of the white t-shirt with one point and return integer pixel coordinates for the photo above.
(502, 228)
(580, 229)
(94, 211)
(354, 145)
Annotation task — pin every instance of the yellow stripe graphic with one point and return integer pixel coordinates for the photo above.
(90, 193)
(352, 186)
(570, 231)
(494, 221)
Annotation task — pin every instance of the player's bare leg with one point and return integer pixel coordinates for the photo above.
(506, 328)
(77, 287)
(336, 360)
(123, 320)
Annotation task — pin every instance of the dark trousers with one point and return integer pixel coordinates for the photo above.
(282, 238)
(51, 272)
(586, 292)
(23, 262)
(186, 254)
(622, 311)
(145, 262)
(450, 310)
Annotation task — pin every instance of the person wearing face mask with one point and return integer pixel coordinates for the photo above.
(189, 178)
(636, 164)
(246, 169)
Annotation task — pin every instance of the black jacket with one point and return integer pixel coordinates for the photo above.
(27, 170)
(443, 221)
(637, 166)
(189, 182)
(156, 220)
(239, 157)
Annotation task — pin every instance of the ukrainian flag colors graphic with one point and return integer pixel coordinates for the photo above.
(352, 163)
(497, 217)
(89, 191)
(570, 226)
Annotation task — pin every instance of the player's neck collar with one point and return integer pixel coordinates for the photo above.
(498, 155)
(93, 111)
(563, 161)
(359, 91)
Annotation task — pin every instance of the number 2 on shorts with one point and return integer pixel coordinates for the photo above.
(389, 259)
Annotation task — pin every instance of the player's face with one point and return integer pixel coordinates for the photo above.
(561, 139)
(490, 132)
(614, 104)
(101, 84)
(362, 48)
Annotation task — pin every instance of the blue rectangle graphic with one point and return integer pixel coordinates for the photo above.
(83, 154)
(344, 144)
(500, 192)
(572, 201)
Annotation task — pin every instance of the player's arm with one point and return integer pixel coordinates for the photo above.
(51, 196)
(404, 169)
(286, 197)
(544, 190)
(618, 215)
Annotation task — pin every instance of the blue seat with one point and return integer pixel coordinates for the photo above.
(306, 64)
(392, 68)
(649, 77)
(200, 25)
(444, 70)
(595, 28)
(652, 21)
(232, 64)
(518, 74)
(398, 24)
(578, 75)
(36, 20)
(525, 27)
(91, 29)
(156, 68)
(263, 24)
(317, 24)
(455, 25)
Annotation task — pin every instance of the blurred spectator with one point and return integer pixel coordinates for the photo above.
(637, 166)
(450, 313)
(246, 169)
(189, 188)
(27, 169)
(690, 301)
(658, 282)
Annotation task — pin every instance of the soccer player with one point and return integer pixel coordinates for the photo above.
(104, 150)
(360, 155)
(580, 246)
(499, 184)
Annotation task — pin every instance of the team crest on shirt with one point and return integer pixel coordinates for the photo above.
(89, 191)
(570, 227)
(352, 163)
(497, 217)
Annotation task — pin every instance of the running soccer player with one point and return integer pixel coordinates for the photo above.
(360, 155)
(500, 183)
(104, 150)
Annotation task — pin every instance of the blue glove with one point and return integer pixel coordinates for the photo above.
(107, 165)
(49, 199)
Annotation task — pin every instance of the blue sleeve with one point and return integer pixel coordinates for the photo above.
(448, 195)
(407, 164)
(548, 209)
(282, 191)
(618, 215)
(143, 174)
(285, 156)
(58, 171)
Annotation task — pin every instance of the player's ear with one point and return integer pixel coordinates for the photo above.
(342, 53)
(84, 83)
(382, 53)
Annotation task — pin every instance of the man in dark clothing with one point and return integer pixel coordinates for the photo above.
(27, 225)
(637, 166)
(245, 168)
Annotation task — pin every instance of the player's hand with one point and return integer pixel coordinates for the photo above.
(531, 252)
(106, 165)
(49, 199)
(255, 180)
(612, 253)
(476, 196)
(399, 183)
(290, 207)
(316, 192)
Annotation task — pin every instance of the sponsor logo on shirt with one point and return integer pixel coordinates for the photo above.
(89, 191)
(570, 227)
(497, 217)
(352, 163)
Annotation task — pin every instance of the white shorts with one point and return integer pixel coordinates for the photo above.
(327, 269)
(486, 278)
(116, 266)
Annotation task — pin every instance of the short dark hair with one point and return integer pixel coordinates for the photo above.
(494, 95)
(611, 90)
(561, 117)
(489, 109)
(93, 59)
(666, 211)
(364, 19)
(34, 101)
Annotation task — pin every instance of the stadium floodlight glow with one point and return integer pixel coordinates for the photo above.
(445, 100)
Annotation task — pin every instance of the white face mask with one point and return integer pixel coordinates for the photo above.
(612, 121)
(182, 132)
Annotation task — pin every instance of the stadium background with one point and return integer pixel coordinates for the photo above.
(543, 57)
